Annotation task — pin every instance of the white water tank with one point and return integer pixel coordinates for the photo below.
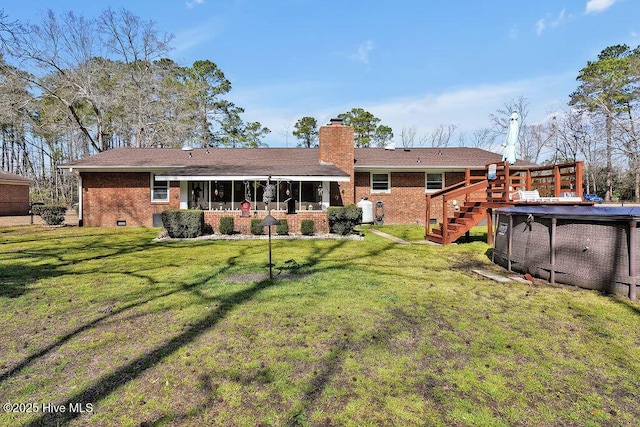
(367, 210)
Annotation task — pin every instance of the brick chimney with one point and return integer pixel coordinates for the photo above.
(336, 142)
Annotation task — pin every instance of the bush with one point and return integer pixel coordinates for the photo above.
(208, 228)
(283, 227)
(306, 227)
(226, 225)
(52, 214)
(183, 224)
(36, 208)
(256, 228)
(343, 219)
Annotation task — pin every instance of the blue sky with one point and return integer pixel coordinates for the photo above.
(418, 63)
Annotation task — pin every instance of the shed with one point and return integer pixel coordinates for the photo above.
(14, 194)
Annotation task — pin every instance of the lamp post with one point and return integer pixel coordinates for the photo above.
(269, 220)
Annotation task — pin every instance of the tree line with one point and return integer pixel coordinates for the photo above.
(599, 126)
(73, 86)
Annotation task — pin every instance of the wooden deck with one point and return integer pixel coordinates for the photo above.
(459, 207)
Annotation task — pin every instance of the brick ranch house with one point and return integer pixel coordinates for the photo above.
(132, 186)
(14, 194)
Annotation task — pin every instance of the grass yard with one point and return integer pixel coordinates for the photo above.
(116, 329)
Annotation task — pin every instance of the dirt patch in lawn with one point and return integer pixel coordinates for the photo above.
(258, 277)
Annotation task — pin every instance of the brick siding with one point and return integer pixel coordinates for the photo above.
(126, 196)
(123, 196)
(243, 225)
(337, 147)
(112, 197)
(406, 202)
(14, 199)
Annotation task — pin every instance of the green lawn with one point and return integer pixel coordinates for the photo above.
(352, 333)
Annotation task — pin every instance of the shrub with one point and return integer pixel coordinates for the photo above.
(343, 219)
(208, 228)
(36, 208)
(283, 227)
(256, 228)
(52, 214)
(306, 227)
(226, 225)
(184, 224)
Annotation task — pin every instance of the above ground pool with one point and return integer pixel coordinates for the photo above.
(587, 246)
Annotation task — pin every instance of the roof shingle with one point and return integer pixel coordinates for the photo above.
(297, 161)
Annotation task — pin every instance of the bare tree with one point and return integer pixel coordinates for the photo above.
(533, 140)
(408, 136)
(500, 124)
(482, 138)
(67, 54)
(441, 136)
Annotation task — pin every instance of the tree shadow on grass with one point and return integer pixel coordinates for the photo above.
(632, 306)
(26, 267)
(121, 376)
(111, 382)
(48, 272)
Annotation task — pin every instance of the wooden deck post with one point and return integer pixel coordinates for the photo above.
(427, 222)
(579, 170)
(556, 181)
(507, 182)
(445, 222)
(489, 212)
(510, 243)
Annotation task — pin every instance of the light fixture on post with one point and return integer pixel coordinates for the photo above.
(269, 220)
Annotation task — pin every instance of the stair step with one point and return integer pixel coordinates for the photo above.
(468, 214)
(467, 220)
(456, 226)
(434, 238)
(471, 209)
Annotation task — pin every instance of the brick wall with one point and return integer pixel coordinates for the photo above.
(243, 225)
(406, 202)
(112, 197)
(14, 199)
(336, 146)
(123, 196)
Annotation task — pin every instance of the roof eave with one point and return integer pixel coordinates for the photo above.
(417, 167)
(305, 178)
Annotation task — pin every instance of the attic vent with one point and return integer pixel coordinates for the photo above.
(390, 146)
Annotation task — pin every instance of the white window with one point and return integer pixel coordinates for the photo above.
(435, 181)
(159, 190)
(380, 182)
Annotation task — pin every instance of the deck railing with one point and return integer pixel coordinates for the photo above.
(550, 181)
(471, 188)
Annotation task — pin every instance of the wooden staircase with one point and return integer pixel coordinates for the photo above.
(461, 206)
(469, 215)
